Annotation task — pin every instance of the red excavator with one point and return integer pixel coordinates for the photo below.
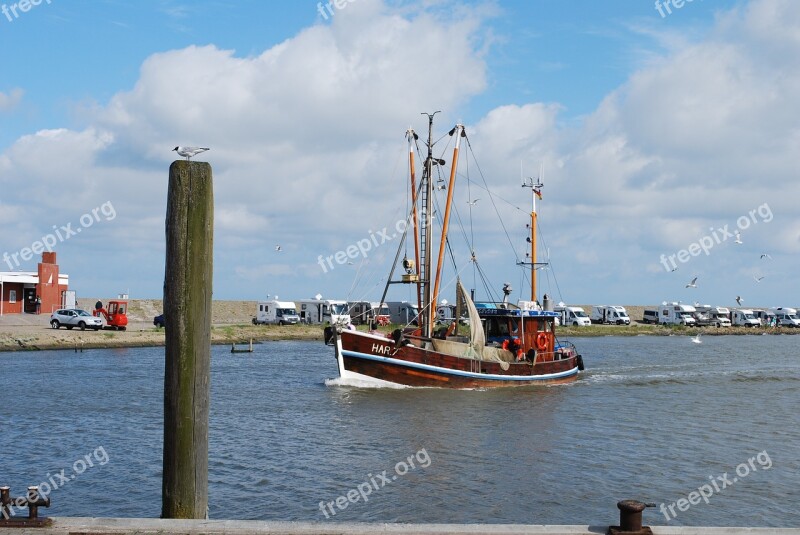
(115, 315)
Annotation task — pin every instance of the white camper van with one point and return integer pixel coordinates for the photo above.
(676, 314)
(574, 316)
(323, 311)
(745, 317)
(766, 317)
(403, 312)
(365, 312)
(610, 314)
(787, 317)
(276, 313)
(707, 315)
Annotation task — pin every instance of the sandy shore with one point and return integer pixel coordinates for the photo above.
(231, 323)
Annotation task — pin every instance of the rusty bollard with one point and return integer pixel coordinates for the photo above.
(5, 500)
(630, 519)
(32, 500)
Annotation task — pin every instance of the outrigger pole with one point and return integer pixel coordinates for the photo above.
(412, 137)
(458, 130)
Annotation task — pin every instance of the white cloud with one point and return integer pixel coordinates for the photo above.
(10, 100)
(306, 146)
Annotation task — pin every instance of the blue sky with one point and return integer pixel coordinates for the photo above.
(653, 132)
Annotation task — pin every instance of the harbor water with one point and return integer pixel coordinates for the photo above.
(711, 429)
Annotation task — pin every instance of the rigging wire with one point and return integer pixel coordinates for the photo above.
(491, 195)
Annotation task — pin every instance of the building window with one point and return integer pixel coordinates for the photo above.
(12, 296)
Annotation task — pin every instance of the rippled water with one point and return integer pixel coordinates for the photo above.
(652, 418)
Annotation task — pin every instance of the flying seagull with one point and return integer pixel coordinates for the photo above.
(696, 339)
(692, 284)
(758, 279)
(739, 300)
(278, 248)
(674, 269)
(472, 203)
(738, 238)
(188, 152)
(765, 255)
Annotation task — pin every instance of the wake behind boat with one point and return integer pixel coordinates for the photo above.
(522, 349)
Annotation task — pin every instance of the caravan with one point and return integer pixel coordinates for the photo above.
(276, 312)
(676, 314)
(744, 317)
(786, 317)
(706, 315)
(320, 310)
(610, 314)
(403, 312)
(574, 316)
(365, 312)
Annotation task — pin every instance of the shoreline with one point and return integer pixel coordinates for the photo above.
(17, 338)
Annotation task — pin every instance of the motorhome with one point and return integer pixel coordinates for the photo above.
(275, 312)
(320, 310)
(650, 315)
(445, 313)
(574, 316)
(707, 315)
(610, 314)
(676, 314)
(786, 317)
(767, 317)
(364, 312)
(744, 317)
(403, 312)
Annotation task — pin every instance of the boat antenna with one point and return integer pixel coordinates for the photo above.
(426, 232)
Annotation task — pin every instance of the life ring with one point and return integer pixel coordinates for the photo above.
(541, 341)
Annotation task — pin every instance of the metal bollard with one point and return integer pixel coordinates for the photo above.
(32, 500)
(630, 519)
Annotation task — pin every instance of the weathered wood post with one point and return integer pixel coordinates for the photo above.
(187, 313)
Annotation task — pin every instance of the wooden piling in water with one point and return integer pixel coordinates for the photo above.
(187, 304)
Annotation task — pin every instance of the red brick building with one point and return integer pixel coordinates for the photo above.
(19, 289)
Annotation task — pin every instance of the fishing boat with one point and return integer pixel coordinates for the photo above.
(522, 348)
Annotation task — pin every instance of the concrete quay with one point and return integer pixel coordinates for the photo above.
(148, 526)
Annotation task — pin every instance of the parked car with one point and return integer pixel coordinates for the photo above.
(75, 317)
(158, 321)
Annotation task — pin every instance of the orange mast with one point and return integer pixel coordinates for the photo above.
(458, 130)
(412, 136)
(536, 190)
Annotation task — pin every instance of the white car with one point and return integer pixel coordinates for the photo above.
(75, 317)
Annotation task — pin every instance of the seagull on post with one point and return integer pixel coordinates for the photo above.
(188, 152)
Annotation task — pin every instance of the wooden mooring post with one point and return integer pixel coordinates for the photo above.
(187, 304)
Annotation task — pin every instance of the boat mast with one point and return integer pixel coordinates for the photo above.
(412, 137)
(426, 233)
(536, 191)
(458, 130)
(533, 249)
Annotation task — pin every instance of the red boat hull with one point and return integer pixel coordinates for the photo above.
(378, 358)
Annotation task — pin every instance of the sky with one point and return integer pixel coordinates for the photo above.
(660, 132)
